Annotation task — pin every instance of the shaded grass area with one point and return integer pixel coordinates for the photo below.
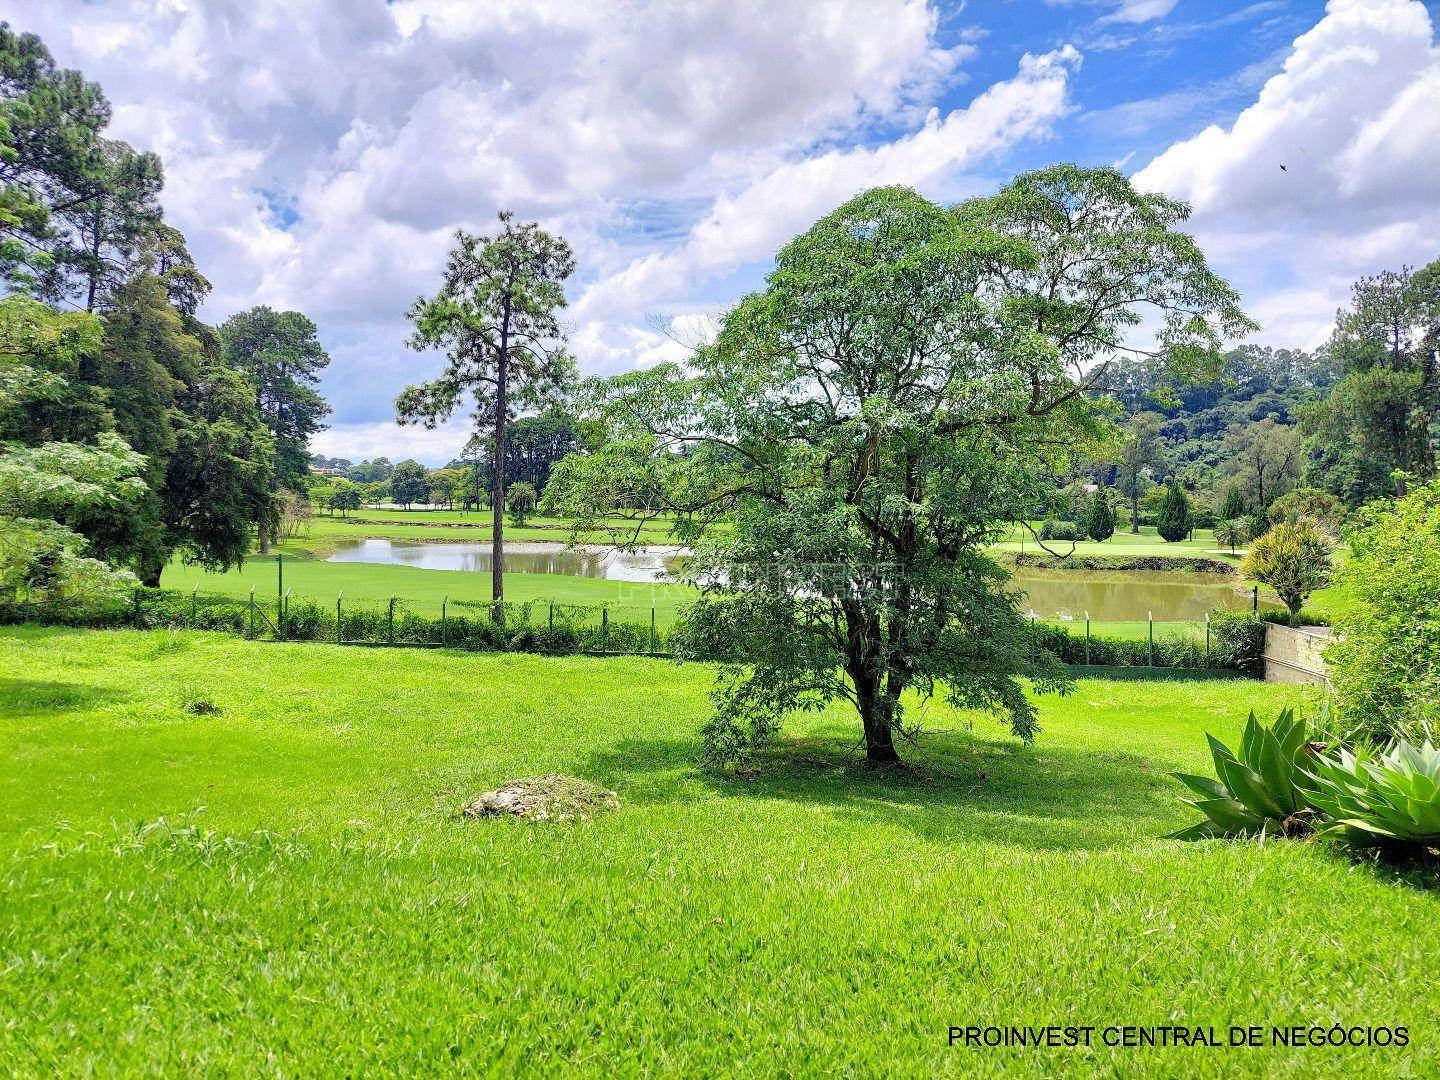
(327, 912)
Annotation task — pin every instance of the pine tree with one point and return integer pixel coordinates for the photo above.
(1100, 518)
(1174, 520)
(1233, 506)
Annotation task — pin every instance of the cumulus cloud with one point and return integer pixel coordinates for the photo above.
(1354, 118)
(320, 155)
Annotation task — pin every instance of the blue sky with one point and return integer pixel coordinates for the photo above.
(320, 156)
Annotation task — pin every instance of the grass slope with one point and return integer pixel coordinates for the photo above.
(327, 913)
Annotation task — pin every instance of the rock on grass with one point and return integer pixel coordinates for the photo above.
(545, 798)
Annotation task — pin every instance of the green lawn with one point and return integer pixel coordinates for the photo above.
(312, 905)
(423, 591)
(324, 529)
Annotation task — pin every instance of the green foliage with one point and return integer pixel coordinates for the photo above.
(1311, 504)
(1293, 558)
(1237, 640)
(1392, 798)
(344, 496)
(1100, 517)
(1232, 506)
(1173, 521)
(281, 358)
(1142, 455)
(522, 502)
(45, 481)
(1385, 661)
(1050, 529)
(901, 390)
(407, 483)
(1257, 791)
(208, 457)
(1232, 533)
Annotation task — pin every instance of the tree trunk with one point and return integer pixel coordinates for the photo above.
(876, 713)
(1135, 514)
(497, 495)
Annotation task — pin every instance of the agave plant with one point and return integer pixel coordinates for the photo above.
(1257, 791)
(1393, 798)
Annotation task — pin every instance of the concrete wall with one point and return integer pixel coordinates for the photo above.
(1294, 655)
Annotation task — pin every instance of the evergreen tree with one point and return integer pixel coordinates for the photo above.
(281, 357)
(1173, 523)
(1232, 507)
(1100, 518)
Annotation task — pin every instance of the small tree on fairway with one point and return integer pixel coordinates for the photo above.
(1293, 558)
(1173, 524)
(1141, 455)
(522, 502)
(495, 317)
(1232, 533)
(345, 496)
(407, 483)
(903, 390)
(1100, 518)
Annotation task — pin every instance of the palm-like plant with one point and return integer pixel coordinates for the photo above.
(1232, 533)
(1257, 791)
(1392, 798)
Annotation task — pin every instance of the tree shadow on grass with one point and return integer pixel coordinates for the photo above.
(26, 697)
(956, 788)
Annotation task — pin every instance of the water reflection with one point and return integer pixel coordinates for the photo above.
(1106, 596)
(646, 565)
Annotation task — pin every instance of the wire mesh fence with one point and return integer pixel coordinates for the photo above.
(1225, 641)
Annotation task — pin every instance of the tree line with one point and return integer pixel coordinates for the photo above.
(131, 432)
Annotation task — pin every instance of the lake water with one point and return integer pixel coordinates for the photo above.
(1107, 596)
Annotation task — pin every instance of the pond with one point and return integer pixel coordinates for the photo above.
(645, 565)
(1108, 596)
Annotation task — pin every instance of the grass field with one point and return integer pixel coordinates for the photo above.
(311, 904)
(424, 590)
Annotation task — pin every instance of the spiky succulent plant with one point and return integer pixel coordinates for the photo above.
(1257, 790)
(1390, 798)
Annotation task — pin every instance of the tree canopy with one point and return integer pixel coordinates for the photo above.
(906, 386)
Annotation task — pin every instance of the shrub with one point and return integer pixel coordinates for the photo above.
(1256, 791)
(1385, 661)
(1100, 518)
(1293, 558)
(1173, 520)
(1050, 529)
(1311, 504)
(521, 500)
(1237, 640)
(1390, 799)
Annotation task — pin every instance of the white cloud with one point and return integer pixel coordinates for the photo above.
(381, 127)
(1354, 118)
(1140, 11)
(752, 222)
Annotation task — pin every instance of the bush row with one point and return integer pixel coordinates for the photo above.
(1236, 640)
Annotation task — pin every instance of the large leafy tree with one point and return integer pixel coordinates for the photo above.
(281, 357)
(1265, 459)
(904, 388)
(208, 456)
(1142, 456)
(44, 480)
(495, 317)
(1380, 419)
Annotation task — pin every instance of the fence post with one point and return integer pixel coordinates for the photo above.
(1087, 639)
(1207, 639)
(390, 621)
(604, 628)
(194, 604)
(1254, 599)
(339, 635)
(279, 575)
(1150, 647)
(444, 611)
(652, 626)
(552, 616)
(252, 611)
